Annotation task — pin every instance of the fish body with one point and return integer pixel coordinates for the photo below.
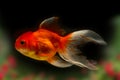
(47, 44)
(41, 44)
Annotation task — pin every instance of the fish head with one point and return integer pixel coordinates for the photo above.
(35, 48)
(22, 43)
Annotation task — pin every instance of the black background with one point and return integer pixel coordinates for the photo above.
(21, 17)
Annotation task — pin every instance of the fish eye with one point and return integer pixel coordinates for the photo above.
(22, 42)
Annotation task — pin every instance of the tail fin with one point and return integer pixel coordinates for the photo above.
(72, 54)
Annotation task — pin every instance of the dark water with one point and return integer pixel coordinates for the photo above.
(19, 19)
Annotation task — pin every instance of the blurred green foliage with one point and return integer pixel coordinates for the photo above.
(27, 69)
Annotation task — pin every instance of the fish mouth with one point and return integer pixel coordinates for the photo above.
(23, 51)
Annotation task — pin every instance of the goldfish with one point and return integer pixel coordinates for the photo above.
(48, 43)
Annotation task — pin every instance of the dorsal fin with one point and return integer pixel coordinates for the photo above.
(52, 24)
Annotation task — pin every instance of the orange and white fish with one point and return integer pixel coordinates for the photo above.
(46, 44)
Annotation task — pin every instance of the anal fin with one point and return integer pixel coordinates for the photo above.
(58, 62)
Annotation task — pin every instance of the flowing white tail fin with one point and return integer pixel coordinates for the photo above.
(72, 54)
